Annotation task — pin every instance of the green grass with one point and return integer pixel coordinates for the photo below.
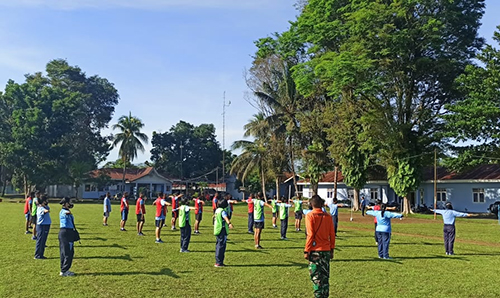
(110, 263)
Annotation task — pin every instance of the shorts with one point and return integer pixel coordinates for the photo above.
(28, 217)
(33, 219)
(124, 214)
(298, 215)
(159, 223)
(175, 214)
(140, 218)
(274, 214)
(106, 214)
(198, 216)
(259, 225)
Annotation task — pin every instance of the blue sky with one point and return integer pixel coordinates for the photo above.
(170, 60)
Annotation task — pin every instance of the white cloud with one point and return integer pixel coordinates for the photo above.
(136, 4)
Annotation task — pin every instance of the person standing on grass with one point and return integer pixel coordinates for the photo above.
(283, 208)
(258, 213)
(298, 212)
(34, 209)
(27, 212)
(383, 229)
(140, 212)
(175, 208)
(320, 244)
(334, 212)
(185, 224)
(43, 223)
(160, 215)
(274, 211)
(363, 204)
(250, 213)
(449, 216)
(198, 213)
(124, 211)
(66, 244)
(107, 209)
(222, 224)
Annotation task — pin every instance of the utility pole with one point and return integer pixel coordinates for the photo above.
(224, 135)
(435, 182)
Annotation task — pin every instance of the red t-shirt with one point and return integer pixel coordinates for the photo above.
(174, 204)
(27, 205)
(140, 208)
(122, 204)
(214, 203)
(376, 207)
(198, 206)
(250, 205)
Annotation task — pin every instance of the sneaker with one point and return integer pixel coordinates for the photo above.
(34, 238)
(173, 228)
(388, 258)
(284, 238)
(184, 250)
(451, 254)
(219, 265)
(40, 258)
(158, 241)
(105, 225)
(196, 232)
(140, 234)
(67, 273)
(259, 247)
(27, 232)
(275, 226)
(250, 232)
(123, 230)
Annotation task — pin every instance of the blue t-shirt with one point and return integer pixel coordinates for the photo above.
(449, 215)
(42, 217)
(383, 222)
(305, 211)
(66, 220)
(107, 203)
(334, 209)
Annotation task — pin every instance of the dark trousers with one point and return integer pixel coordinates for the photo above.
(250, 222)
(220, 247)
(185, 237)
(284, 227)
(363, 210)
(449, 238)
(335, 220)
(42, 232)
(383, 239)
(66, 249)
(375, 234)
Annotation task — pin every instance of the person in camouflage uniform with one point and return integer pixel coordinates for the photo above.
(319, 247)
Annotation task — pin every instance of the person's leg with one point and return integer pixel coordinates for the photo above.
(363, 211)
(250, 222)
(220, 247)
(378, 236)
(446, 239)
(45, 234)
(188, 237)
(386, 241)
(451, 239)
(183, 237)
(35, 232)
(283, 231)
(141, 226)
(62, 252)
(256, 236)
(138, 227)
(38, 242)
(335, 220)
(274, 220)
(65, 248)
(157, 233)
(319, 270)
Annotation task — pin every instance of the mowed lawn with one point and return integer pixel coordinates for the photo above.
(110, 263)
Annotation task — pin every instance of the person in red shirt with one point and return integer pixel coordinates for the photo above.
(27, 212)
(320, 244)
(175, 208)
(160, 215)
(198, 213)
(250, 213)
(140, 211)
(124, 211)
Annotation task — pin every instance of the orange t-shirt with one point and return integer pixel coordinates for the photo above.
(320, 231)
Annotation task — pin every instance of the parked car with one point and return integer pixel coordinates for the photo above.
(494, 208)
(345, 203)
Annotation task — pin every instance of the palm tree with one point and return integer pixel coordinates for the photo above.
(129, 138)
(253, 157)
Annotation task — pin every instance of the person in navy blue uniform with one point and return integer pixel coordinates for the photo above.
(66, 246)
(43, 223)
(449, 226)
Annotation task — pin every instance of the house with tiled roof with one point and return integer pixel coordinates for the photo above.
(472, 190)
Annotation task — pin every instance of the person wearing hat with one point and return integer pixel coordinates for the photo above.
(43, 223)
(449, 216)
(66, 245)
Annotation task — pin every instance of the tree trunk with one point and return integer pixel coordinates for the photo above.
(123, 178)
(25, 182)
(406, 208)
(292, 165)
(263, 181)
(277, 188)
(76, 192)
(335, 182)
(314, 186)
(355, 201)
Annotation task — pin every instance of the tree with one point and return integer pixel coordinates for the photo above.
(188, 151)
(401, 58)
(129, 139)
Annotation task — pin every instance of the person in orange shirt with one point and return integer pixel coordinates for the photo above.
(320, 243)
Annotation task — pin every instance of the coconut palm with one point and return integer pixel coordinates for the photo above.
(253, 157)
(129, 139)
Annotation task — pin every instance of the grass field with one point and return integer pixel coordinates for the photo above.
(110, 263)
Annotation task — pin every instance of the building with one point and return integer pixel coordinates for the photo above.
(472, 190)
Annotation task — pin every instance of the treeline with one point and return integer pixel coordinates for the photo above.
(365, 85)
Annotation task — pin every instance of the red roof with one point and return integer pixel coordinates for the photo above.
(117, 174)
(481, 172)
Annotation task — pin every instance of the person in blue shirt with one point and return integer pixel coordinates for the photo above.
(107, 208)
(383, 230)
(449, 226)
(334, 212)
(66, 245)
(43, 223)
(363, 203)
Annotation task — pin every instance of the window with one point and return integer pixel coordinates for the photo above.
(441, 195)
(90, 187)
(373, 194)
(329, 193)
(478, 195)
(310, 194)
(167, 188)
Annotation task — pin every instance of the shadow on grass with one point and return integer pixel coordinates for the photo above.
(367, 260)
(94, 238)
(290, 264)
(126, 257)
(478, 254)
(233, 250)
(164, 271)
(115, 245)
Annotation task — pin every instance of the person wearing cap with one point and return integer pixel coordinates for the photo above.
(66, 246)
(43, 223)
(449, 216)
